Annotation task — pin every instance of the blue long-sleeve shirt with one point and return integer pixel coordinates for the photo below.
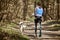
(38, 11)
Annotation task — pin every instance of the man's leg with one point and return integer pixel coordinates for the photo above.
(36, 27)
(40, 33)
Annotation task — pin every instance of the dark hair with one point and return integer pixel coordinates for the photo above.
(39, 4)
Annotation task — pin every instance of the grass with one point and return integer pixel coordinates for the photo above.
(30, 19)
(7, 32)
(50, 22)
(55, 27)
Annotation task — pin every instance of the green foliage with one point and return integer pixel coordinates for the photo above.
(7, 36)
(30, 19)
(54, 28)
(9, 33)
(46, 0)
(51, 22)
(37, 0)
(53, 25)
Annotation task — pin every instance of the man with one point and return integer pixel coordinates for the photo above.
(38, 15)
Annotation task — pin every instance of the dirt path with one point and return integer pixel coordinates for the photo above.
(46, 35)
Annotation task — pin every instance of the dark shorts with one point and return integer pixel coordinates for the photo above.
(38, 19)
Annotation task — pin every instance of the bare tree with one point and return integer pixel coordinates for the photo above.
(25, 2)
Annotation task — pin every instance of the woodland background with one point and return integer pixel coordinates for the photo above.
(14, 11)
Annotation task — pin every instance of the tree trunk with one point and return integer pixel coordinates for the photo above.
(25, 2)
(57, 10)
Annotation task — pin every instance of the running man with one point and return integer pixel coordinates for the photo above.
(38, 15)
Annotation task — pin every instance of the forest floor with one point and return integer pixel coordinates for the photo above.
(46, 34)
(12, 32)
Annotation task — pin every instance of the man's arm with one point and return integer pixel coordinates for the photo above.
(42, 12)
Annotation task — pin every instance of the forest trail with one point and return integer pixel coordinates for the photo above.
(46, 35)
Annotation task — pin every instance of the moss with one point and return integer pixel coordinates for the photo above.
(51, 22)
(53, 25)
(8, 33)
(30, 19)
(54, 28)
(7, 36)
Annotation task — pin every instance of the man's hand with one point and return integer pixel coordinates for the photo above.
(32, 14)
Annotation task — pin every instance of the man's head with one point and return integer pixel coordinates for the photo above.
(39, 4)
